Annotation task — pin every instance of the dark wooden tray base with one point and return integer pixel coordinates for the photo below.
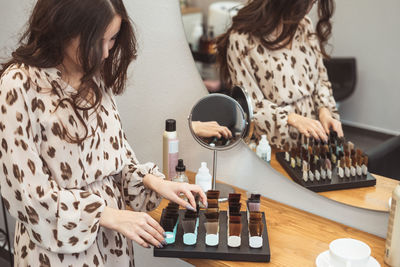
(220, 252)
(336, 183)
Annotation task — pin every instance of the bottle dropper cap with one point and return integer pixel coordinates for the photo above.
(170, 125)
(180, 167)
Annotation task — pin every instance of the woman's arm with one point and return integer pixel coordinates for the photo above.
(172, 190)
(144, 186)
(323, 95)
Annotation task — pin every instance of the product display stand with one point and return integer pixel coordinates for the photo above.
(322, 185)
(221, 251)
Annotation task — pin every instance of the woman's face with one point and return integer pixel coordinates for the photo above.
(108, 41)
(111, 35)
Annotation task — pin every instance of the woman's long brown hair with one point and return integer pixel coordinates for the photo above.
(51, 27)
(260, 19)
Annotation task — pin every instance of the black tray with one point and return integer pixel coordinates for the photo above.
(336, 183)
(220, 252)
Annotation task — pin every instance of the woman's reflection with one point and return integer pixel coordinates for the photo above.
(271, 50)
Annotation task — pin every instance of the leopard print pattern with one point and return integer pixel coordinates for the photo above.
(281, 82)
(57, 190)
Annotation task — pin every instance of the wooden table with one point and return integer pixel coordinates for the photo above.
(296, 237)
(372, 197)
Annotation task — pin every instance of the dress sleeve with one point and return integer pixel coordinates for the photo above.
(322, 95)
(137, 196)
(57, 219)
(270, 118)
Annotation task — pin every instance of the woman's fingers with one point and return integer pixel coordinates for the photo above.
(160, 231)
(189, 190)
(212, 128)
(337, 126)
(313, 133)
(320, 131)
(197, 189)
(146, 236)
(326, 126)
(185, 204)
(140, 241)
(215, 133)
(155, 234)
(190, 197)
(228, 133)
(304, 131)
(223, 132)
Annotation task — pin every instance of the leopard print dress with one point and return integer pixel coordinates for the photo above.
(57, 190)
(281, 82)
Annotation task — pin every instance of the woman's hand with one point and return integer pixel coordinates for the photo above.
(328, 122)
(137, 226)
(308, 127)
(172, 190)
(210, 129)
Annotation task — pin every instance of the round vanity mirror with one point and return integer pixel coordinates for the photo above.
(218, 122)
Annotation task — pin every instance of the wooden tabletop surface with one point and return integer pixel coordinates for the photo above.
(296, 237)
(371, 197)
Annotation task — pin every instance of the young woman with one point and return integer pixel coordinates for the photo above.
(67, 169)
(272, 51)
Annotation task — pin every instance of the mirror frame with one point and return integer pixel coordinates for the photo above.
(249, 112)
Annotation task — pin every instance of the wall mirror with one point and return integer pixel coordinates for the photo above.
(357, 67)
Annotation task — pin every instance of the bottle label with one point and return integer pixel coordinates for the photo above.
(173, 146)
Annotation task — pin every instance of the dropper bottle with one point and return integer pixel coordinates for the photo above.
(180, 176)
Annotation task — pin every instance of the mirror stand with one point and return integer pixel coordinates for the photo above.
(224, 189)
(221, 112)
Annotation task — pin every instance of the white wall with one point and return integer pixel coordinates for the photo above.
(369, 30)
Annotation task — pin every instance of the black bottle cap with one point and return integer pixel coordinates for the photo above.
(180, 167)
(170, 125)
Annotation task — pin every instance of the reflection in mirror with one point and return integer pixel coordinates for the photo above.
(285, 72)
(203, 21)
